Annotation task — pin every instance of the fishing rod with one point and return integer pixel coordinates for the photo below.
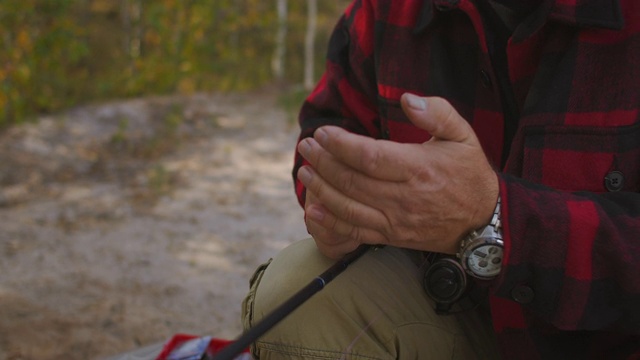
(273, 318)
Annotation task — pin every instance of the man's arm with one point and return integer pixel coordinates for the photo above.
(577, 253)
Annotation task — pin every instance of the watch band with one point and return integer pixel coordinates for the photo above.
(493, 228)
(496, 222)
(488, 235)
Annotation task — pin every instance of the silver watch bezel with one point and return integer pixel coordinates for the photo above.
(472, 245)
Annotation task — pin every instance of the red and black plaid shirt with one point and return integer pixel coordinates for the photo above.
(558, 111)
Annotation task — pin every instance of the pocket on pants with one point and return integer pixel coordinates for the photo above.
(247, 304)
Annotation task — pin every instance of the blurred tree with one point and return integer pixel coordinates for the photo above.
(278, 61)
(131, 15)
(55, 54)
(309, 43)
(38, 45)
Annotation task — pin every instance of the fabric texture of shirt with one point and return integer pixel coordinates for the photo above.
(559, 115)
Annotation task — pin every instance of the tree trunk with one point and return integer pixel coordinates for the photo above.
(180, 29)
(138, 30)
(234, 36)
(309, 43)
(278, 60)
(132, 23)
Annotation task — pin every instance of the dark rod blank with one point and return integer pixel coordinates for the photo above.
(269, 321)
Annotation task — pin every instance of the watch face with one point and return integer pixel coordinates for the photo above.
(485, 260)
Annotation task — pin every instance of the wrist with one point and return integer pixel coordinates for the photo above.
(486, 201)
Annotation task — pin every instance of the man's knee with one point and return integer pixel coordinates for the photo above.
(292, 269)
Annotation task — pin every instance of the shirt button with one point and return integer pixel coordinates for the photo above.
(614, 181)
(522, 294)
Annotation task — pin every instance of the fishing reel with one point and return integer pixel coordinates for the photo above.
(444, 280)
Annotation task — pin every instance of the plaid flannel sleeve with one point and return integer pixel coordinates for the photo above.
(577, 254)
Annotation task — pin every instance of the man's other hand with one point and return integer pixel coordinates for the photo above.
(418, 196)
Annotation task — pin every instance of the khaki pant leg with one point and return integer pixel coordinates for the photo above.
(375, 309)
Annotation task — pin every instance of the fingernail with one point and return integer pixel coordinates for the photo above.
(416, 102)
(304, 174)
(304, 147)
(320, 135)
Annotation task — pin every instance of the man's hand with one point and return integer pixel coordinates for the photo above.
(419, 196)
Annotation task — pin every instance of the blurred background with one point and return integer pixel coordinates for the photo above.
(56, 54)
(146, 149)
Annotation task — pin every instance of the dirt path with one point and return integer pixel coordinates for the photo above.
(122, 224)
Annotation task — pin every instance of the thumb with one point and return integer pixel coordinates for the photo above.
(438, 117)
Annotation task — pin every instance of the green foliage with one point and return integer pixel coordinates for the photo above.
(55, 54)
(40, 46)
(291, 100)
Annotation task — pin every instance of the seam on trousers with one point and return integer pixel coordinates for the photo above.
(249, 302)
(455, 342)
(310, 353)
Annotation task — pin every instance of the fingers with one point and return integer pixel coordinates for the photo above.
(362, 234)
(366, 191)
(329, 243)
(337, 202)
(383, 160)
(346, 179)
(387, 160)
(335, 237)
(438, 117)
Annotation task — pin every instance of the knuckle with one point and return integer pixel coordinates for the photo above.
(346, 181)
(447, 119)
(309, 200)
(370, 159)
(390, 222)
(344, 229)
(334, 226)
(355, 233)
(349, 212)
(318, 189)
(320, 160)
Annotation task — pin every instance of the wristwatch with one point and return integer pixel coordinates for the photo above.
(481, 251)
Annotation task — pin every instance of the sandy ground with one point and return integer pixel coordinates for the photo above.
(124, 223)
